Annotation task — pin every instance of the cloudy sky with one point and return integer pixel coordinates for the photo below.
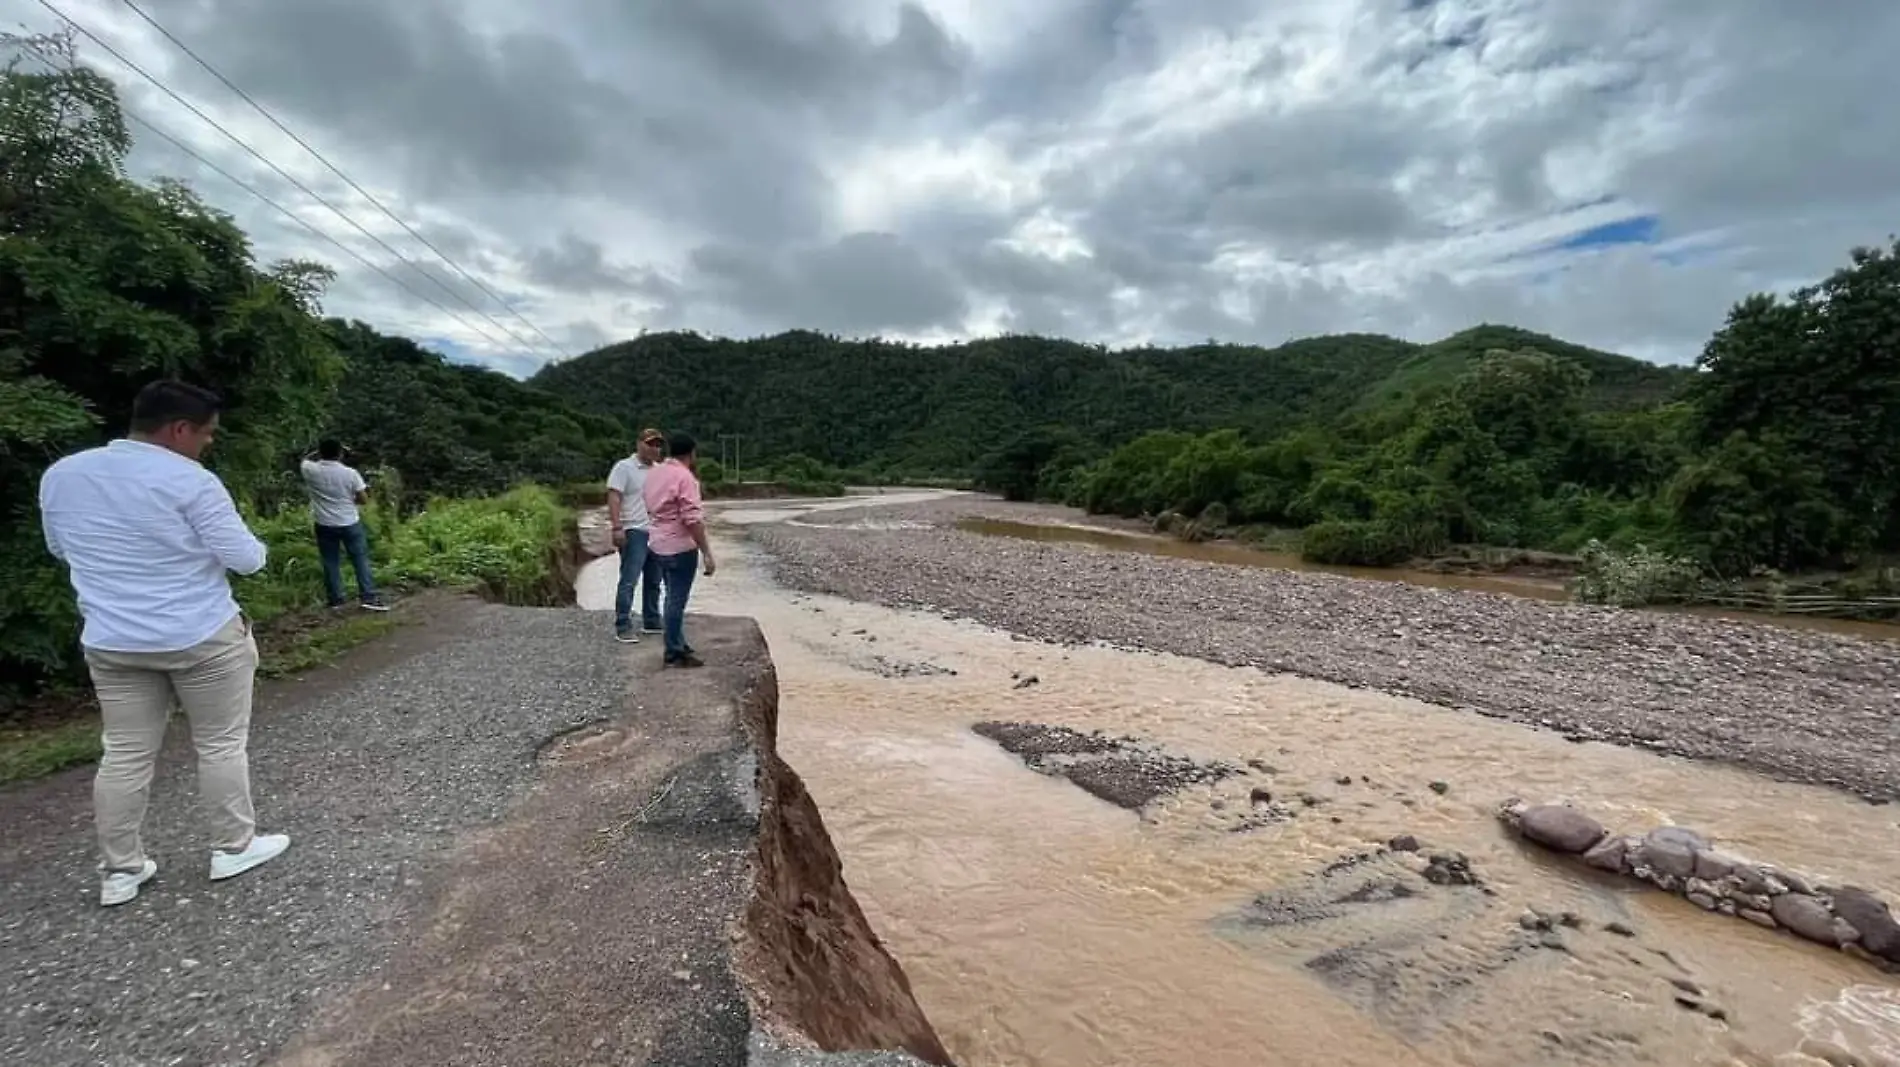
(1617, 172)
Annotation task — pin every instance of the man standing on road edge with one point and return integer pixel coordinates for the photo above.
(337, 492)
(148, 536)
(627, 518)
(678, 539)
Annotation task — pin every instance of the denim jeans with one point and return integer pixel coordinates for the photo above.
(677, 572)
(637, 566)
(332, 541)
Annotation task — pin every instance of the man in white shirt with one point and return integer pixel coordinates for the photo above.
(148, 536)
(627, 518)
(337, 492)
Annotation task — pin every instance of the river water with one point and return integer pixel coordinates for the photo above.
(1042, 927)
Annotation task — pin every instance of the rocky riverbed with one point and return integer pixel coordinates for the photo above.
(1802, 706)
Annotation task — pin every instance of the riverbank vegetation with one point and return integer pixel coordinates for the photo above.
(1775, 458)
(107, 283)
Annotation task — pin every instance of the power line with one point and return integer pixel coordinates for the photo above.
(308, 225)
(286, 212)
(286, 175)
(334, 169)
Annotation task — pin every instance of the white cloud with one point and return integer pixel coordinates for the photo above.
(1115, 170)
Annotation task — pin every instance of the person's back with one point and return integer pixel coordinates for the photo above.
(148, 535)
(334, 488)
(337, 494)
(677, 537)
(134, 522)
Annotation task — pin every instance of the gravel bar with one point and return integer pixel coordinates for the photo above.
(372, 767)
(1799, 705)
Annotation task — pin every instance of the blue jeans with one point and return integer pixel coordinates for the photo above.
(637, 566)
(677, 572)
(332, 542)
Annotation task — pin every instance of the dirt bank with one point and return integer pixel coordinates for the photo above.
(1803, 706)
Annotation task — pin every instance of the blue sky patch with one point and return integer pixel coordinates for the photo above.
(1635, 230)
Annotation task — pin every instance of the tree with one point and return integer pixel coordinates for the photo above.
(1818, 374)
(106, 284)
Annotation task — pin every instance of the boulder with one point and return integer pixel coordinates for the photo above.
(1561, 828)
(1759, 918)
(1871, 918)
(1747, 878)
(1610, 854)
(1713, 865)
(1795, 883)
(1807, 917)
(1671, 850)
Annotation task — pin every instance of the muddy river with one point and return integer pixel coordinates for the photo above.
(1242, 922)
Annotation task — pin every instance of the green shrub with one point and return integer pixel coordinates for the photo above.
(1354, 542)
(506, 546)
(1634, 578)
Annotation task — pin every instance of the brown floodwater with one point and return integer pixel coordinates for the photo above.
(1042, 927)
(1240, 555)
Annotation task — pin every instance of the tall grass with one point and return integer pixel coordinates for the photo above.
(508, 547)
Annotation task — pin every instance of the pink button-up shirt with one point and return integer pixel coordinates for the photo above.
(672, 496)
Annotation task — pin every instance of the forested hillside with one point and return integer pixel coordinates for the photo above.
(891, 406)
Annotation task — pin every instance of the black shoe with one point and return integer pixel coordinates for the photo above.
(374, 605)
(686, 660)
(626, 636)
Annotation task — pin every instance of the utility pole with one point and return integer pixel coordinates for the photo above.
(730, 459)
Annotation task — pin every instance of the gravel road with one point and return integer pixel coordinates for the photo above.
(372, 770)
(1799, 705)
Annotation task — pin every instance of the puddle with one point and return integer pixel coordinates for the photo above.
(1256, 916)
(1244, 556)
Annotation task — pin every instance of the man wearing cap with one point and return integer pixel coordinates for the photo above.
(626, 515)
(627, 518)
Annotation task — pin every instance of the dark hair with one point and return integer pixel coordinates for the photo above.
(330, 448)
(164, 402)
(681, 445)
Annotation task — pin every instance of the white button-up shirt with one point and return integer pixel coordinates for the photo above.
(148, 536)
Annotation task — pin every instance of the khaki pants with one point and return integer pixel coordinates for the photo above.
(212, 683)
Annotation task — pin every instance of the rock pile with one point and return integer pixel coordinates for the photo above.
(1681, 861)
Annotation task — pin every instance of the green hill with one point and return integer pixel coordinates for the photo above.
(943, 408)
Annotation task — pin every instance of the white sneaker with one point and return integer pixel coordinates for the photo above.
(120, 887)
(262, 849)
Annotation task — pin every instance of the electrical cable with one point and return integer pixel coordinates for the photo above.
(286, 175)
(281, 209)
(334, 169)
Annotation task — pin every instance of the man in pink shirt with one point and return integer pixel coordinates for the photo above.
(676, 539)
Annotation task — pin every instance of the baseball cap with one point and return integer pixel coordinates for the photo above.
(651, 436)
